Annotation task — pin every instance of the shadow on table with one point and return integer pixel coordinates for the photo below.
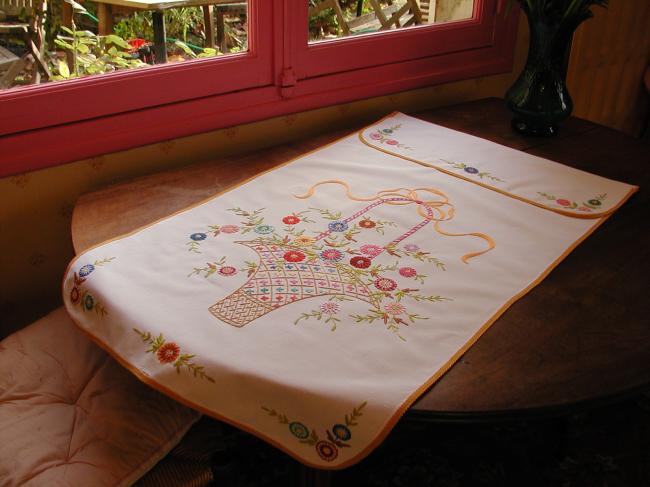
(609, 447)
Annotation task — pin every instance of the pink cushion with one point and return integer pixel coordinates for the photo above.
(72, 416)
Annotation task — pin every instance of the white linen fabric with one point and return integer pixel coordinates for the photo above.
(313, 304)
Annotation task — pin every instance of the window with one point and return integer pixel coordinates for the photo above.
(281, 72)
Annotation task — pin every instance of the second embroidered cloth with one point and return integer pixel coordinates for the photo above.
(312, 305)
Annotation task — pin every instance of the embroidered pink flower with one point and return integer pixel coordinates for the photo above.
(394, 309)
(375, 136)
(365, 223)
(331, 255)
(584, 208)
(329, 308)
(294, 256)
(291, 220)
(385, 284)
(168, 353)
(360, 262)
(227, 271)
(407, 272)
(563, 202)
(411, 248)
(230, 229)
(392, 142)
(371, 250)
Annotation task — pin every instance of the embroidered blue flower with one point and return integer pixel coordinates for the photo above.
(197, 237)
(299, 430)
(387, 131)
(264, 229)
(85, 270)
(593, 202)
(470, 170)
(342, 432)
(89, 302)
(338, 226)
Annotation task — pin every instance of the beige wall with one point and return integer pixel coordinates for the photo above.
(36, 208)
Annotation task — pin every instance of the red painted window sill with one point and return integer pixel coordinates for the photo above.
(53, 124)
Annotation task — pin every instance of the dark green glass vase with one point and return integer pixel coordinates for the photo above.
(539, 98)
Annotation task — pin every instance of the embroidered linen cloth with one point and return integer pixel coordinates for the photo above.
(313, 304)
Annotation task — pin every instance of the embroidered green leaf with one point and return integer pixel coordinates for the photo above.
(340, 297)
(351, 420)
(292, 230)
(327, 214)
(193, 247)
(312, 440)
(303, 216)
(282, 419)
(252, 218)
(412, 294)
(424, 257)
(250, 268)
(381, 224)
(330, 319)
(209, 269)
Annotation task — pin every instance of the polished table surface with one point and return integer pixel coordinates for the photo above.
(580, 337)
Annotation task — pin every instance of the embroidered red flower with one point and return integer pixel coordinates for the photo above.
(291, 220)
(563, 202)
(407, 272)
(392, 142)
(294, 256)
(365, 223)
(326, 450)
(385, 284)
(168, 353)
(74, 295)
(360, 262)
(227, 271)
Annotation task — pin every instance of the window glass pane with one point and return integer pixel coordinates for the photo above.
(51, 41)
(331, 19)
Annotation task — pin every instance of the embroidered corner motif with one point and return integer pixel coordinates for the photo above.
(587, 206)
(79, 296)
(170, 353)
(386, 136)
(338, 436)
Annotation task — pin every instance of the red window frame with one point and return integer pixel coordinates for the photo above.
(281, 73)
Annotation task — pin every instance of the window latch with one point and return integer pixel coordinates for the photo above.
(288, 80)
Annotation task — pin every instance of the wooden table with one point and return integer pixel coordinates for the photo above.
(579, 338)
(105, 15)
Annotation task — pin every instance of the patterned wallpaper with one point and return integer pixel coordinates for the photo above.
(36, 208)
